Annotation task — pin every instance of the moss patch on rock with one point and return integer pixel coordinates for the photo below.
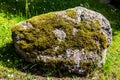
(35, 37)
(71, 13)
(40, 39)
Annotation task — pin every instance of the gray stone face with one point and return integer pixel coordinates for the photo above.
(60, 34)
(77, 37)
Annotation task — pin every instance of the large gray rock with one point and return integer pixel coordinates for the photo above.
(76, 38)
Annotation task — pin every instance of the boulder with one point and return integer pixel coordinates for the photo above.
(76, 38)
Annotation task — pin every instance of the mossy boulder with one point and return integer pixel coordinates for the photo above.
(75, 38)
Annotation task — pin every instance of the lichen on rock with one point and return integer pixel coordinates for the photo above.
(71, 13)
(77, 38)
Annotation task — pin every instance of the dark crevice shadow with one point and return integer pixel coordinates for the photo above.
(11, 59)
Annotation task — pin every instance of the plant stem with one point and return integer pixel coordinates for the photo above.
(26, 8)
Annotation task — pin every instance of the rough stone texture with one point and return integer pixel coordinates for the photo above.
(76, 38)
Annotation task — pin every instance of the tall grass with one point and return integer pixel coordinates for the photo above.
(26, 8)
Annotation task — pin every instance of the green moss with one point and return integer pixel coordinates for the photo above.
(71, 13)
(87, 65)
(40, 39)
(85, 37)
(25, 45)
(68, 62)
(89, 26)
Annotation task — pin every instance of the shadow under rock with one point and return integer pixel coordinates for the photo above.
(12, 60)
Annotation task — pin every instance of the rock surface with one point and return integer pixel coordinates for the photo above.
(76, 38)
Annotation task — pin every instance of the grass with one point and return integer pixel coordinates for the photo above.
(12, 66)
